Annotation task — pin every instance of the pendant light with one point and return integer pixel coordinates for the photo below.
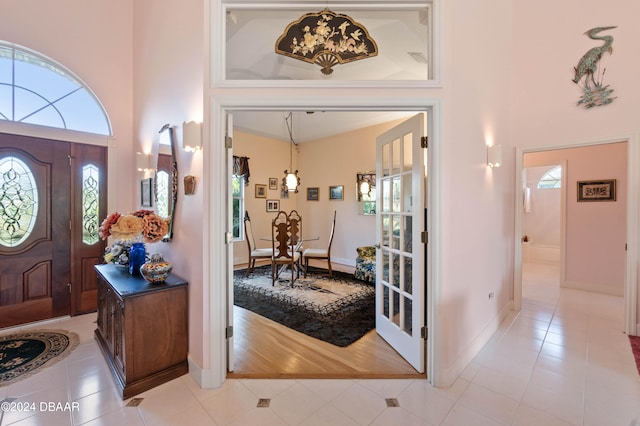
(291, 180)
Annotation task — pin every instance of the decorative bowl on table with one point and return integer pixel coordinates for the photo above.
(156, 270)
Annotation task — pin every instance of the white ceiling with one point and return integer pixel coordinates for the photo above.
(308, 127)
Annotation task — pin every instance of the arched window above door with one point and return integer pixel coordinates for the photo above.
(36, 90)
(551, 179)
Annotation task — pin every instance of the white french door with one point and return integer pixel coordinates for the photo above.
(229, 238)
(400, 259)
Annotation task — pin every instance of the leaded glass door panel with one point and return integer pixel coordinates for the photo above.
(34, 218)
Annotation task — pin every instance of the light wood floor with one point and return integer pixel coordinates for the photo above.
(266, 349)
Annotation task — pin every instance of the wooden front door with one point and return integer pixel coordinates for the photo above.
(36, 227)
(34, 232)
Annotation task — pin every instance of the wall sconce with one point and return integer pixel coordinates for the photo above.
(494, 155)
(143, 162)
(366, 182)
(191, 136)
(189, 185)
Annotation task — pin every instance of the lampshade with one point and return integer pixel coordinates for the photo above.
(191, 136)
(292, 181)
(326, 38)
(494, 155)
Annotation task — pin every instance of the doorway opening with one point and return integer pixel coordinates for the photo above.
(344, 156)
(594, 235)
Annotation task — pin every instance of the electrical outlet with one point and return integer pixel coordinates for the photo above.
(491, 296)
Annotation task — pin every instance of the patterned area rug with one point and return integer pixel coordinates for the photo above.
(22, 354)
(339, 310)
(635, 348)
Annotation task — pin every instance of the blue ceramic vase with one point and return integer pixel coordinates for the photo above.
(137, 257)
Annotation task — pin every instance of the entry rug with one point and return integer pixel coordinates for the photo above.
(23, 354)
(635, 348)
(339, 311)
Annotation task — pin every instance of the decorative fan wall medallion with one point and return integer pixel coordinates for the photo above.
(326, 38)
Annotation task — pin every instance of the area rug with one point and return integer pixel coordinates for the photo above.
(338, 311)
(23, 354)
(635, 348)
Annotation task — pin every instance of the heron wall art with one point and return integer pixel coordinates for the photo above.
(587, 74)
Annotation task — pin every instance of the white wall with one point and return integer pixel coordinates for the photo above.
(168, 68)
(95, 41)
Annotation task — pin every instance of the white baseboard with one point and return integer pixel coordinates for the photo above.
(204, 378)
(451, 374)
(609, 289)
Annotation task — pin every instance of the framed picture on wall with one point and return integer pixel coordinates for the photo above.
(313, 193)
(273, 183)
(261, 190)
(146, 192)
(273, 205)
(336, 192)
(597, 190)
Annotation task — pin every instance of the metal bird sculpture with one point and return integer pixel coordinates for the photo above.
(594, 93)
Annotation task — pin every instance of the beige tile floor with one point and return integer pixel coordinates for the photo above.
(563, 360)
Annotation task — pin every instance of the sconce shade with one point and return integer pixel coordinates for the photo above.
(143, 162)
(494, 155)
(326, 38)
(191, 136)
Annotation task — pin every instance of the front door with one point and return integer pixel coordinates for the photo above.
(34, 232)
(400, 285)
(40, 238)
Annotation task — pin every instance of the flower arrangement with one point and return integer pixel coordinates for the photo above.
(140, 226)
(118, 253)
(144, 224)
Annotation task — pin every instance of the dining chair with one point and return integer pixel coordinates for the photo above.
(284, 252)
(320, 253)
(295, 229)
(254, 253)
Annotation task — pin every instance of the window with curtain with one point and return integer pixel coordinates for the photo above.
(238, 207)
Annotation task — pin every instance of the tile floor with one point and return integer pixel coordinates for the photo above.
(562, 360)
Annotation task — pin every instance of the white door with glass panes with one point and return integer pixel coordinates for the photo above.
(400, 220)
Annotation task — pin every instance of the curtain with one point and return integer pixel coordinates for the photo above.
(241, 168)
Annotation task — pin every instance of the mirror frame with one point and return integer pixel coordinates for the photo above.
(173, 186)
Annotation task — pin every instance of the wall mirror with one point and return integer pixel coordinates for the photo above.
(366, 193)
(166, 181)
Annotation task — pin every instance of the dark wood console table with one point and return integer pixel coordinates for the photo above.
(142, 328)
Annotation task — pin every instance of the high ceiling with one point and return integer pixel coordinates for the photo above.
(310, 126)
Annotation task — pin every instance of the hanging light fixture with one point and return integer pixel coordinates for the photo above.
(326, 38)
(291, 180)
(366, 182)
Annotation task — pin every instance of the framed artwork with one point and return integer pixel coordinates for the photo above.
(336, 192)
(273, 183)
(146, 192)
(313, 193)
(261, 191)
(597, 190)
(284, 193)
(273, 205)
